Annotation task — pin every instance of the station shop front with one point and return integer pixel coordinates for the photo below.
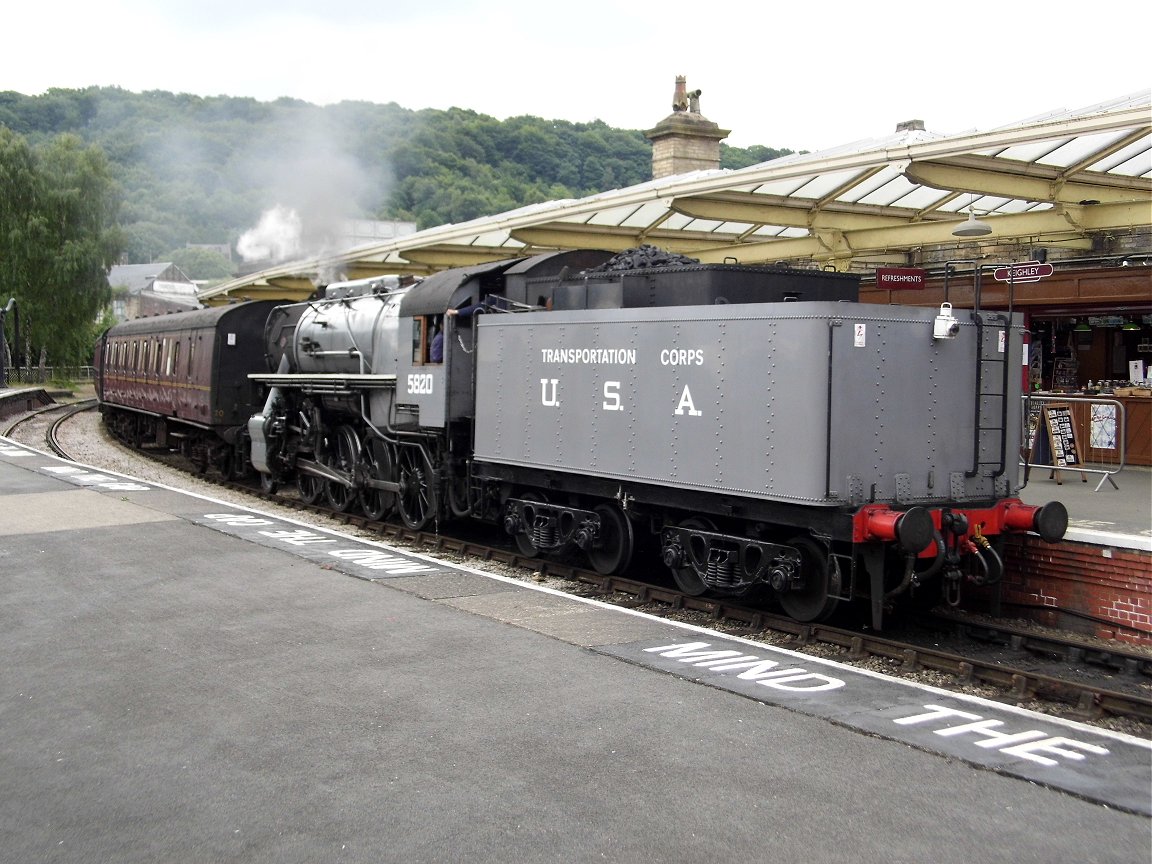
(1090, 333)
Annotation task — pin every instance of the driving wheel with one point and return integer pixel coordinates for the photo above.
(417, 498)
(377, 456)
(343, 456)
(310, 487)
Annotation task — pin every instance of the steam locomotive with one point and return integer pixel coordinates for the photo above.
(756, 430)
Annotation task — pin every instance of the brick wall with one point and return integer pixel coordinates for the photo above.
(1098, 590)
(682, 154)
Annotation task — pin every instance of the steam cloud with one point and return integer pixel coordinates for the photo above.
(314, 169)
(278, 236)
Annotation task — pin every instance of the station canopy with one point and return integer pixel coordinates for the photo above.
(1058, 179)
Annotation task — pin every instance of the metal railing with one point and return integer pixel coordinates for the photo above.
(44, 375)
(1097, 432)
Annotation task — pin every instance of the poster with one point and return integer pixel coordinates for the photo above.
(1102, 432)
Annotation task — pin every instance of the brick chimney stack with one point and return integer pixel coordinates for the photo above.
(685, 140)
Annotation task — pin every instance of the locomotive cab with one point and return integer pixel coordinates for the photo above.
(436, 389)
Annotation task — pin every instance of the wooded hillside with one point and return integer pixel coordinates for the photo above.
(202, 170)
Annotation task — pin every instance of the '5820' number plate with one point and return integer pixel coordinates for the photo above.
(420, 383)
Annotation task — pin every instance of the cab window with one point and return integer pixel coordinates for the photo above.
(419, 344)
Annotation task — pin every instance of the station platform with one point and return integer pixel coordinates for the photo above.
(15, 401)
(188, 680)
(1116, 511)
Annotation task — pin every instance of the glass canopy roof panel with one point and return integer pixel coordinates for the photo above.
(1017, 205)
(1135, 160)
(645, 214)
(821, 185)
(609, 216)
(769, 232)
(894, 188)
(764, 231)
(1033, 151)
(1077, 151)
(495, 239)
(732, 229)
(783, 188)
(676, 222)
(706, 226)
(922, 198)
(991, 204)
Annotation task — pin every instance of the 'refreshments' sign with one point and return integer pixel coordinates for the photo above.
(899, 277)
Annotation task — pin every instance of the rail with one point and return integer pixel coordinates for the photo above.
(1099, 435)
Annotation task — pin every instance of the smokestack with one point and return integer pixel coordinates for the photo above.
(680, 94)
(685, 140)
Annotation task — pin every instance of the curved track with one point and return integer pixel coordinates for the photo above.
(1059, 673)
(51, 417)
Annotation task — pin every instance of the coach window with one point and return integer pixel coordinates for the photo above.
(174, 357)
(191, 354)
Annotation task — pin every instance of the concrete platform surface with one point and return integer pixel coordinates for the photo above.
(189, 681)
(1116, 511)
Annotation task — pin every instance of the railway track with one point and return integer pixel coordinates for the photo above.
(49, 419)
(1058, 673)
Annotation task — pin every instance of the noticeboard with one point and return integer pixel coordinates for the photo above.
(1062, 439)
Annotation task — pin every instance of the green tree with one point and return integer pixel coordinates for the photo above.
(58, 238)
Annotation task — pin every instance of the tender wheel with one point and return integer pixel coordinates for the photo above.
(377, 456)
(696, 558)
(269, 485)
(344, 455)
(417, 498)
(813, 602)
(309, 487)
(524, 538)
(612, 551)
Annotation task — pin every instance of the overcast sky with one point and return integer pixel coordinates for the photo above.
(800, 75)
